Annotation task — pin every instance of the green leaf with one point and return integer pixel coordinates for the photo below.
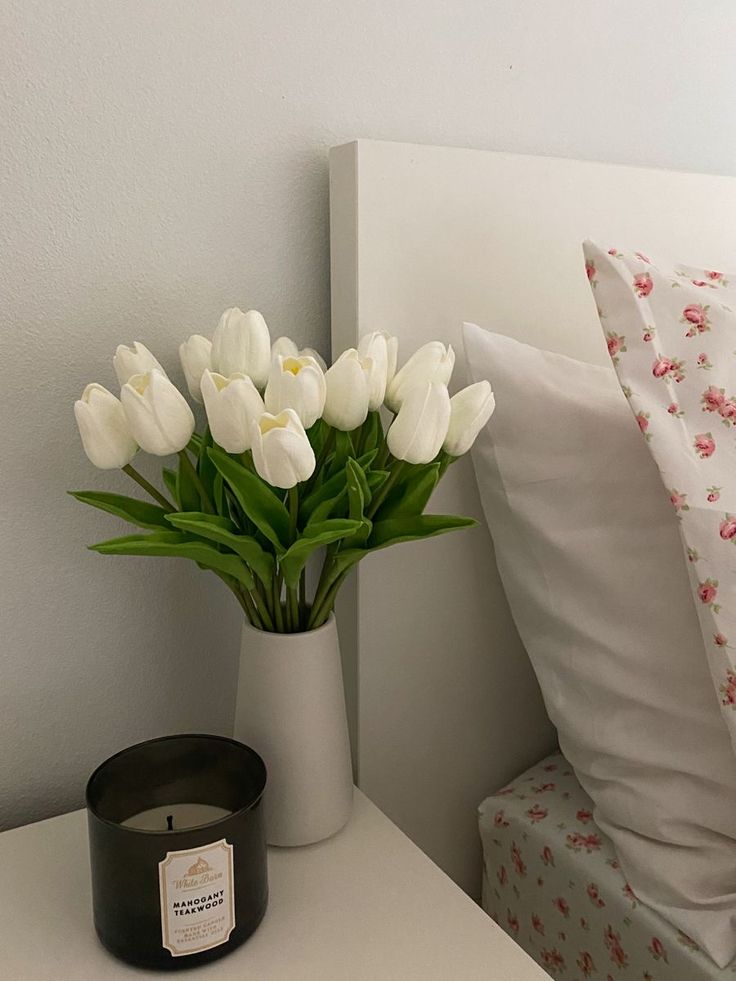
(346, 558)
(372, 433)
(195, 443)
(313, 537)
(258, 502)
(343, 450)
(317, 435)
(137, 512)
(219, 497)
(205, 467)
(408, 529)
(412, 494)
(169, 478)
(323, 510)
(224, 532)
(376, 479)
(333, 490)
(176, 545)
(359, 496)
(361, 536)
(330, 490)
(366, 459)
(395, 530)
(357, 490)
(187, 493)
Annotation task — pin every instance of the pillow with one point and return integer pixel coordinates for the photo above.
(589, 554)
(672, 336)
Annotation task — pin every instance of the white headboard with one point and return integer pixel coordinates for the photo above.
(443, 703)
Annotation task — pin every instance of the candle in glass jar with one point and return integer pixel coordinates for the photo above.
(177, 882)
(175, 817)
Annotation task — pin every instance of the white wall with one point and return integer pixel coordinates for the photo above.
(163, 160)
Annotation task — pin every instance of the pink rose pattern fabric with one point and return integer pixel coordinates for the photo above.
(551, 880)
(671, 334)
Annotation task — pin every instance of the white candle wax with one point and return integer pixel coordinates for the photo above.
(182, 816)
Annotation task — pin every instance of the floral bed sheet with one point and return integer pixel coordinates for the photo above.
(552, 882)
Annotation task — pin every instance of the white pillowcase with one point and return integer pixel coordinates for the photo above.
(589, 553)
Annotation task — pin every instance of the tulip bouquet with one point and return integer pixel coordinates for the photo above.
(294, 460)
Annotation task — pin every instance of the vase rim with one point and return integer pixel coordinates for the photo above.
(327, 625)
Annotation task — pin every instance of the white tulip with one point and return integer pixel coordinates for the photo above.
(231, 405)
(382, 349)
(296, 383)
(134, 360)
(348, 391)
(242, 345)
(195, 355)
(158, 415)
(285, 347)
(433, 362)
(282, 453)
(105, 433)
(470, 410)
(309, 352)
(418, 431)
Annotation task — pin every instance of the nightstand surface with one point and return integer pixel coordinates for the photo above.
(366, 905)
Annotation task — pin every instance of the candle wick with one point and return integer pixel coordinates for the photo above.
(169, 822)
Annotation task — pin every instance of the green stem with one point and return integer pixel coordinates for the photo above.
(358, 435)
(262, 609)
(322, 614)
(324, 582)
(445, 461)
(293, 511)
(303, 599)
(264, 596)
(278, 613)
(250, 610)
(384, 491)
(240, 595)
(148, 487)
(383, 453)
(204, 497)
(292, 606)
(329, 442)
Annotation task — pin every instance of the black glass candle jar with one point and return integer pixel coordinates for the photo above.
(177, 849)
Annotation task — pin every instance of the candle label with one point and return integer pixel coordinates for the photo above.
(197, 898)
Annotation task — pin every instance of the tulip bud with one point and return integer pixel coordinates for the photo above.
(285, 347)
(382, 349)
(470, 410)
(135, 360)
(105, 433)
(231, 405)
(433, 362)
(418, 431)
(282, 453)
(296, 383)
(348, 391)
(374, 347)
(309, 352)
(158, 415)
(195, 355)
(241, 345)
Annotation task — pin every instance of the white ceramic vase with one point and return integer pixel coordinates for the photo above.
(291, 709)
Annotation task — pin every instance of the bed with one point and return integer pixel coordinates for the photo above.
(442, 702)
(551, 880)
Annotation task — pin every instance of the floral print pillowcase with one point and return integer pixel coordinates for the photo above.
(671, 334)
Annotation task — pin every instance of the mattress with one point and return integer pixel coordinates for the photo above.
(552, 882)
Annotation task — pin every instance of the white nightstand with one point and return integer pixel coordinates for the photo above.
(367, 905)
